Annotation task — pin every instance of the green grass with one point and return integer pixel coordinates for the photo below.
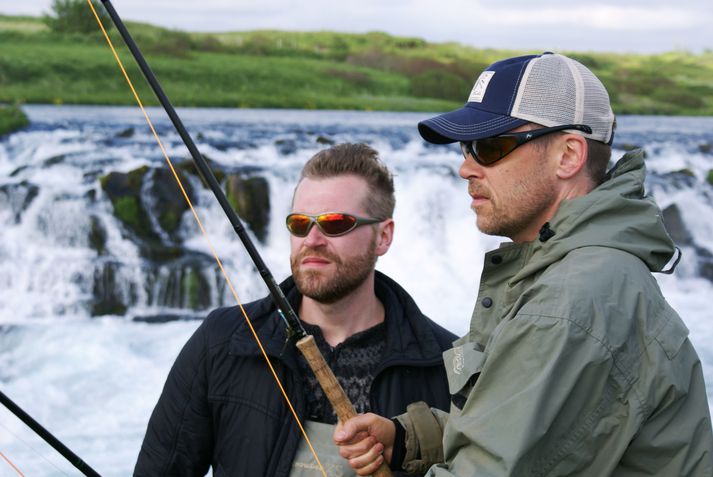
(309, 70)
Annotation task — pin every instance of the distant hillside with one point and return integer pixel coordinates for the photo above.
(312, 70)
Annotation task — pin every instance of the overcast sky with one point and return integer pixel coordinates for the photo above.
(643, 26)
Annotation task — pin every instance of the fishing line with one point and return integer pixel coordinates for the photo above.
(14, 467)
(205, 235)
(29, 446)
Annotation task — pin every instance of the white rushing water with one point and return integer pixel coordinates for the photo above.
(93, 381)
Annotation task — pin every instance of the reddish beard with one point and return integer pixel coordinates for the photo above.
(324, 287)
(476, 189)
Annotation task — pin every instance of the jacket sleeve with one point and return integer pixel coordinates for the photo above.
(178, 439)
(423, 436)
(542, 399)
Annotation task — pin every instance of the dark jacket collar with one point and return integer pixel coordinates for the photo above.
(411, 338)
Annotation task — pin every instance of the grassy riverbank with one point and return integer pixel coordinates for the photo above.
(11, 119)
(309, 70)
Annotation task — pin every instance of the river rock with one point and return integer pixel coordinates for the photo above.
(107, 297)
(184, 283)
(17, 197)
(165, 200)
(149, 204)
(250, 198)
(676, 226)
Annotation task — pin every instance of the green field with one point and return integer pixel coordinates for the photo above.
(309, 70)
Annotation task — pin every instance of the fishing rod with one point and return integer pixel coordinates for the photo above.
(304, 342)
(73, 458)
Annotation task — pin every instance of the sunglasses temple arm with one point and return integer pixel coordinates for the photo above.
(306, 344)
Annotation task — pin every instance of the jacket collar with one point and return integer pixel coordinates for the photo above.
(409, 338)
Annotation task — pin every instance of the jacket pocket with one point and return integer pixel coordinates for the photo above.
(463, 365)
(672, 336)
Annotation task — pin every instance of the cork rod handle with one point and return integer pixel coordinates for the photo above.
(332, 389)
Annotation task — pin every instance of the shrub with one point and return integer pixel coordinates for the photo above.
(75, 16)
(440, 84)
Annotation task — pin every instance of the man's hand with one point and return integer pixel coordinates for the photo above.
(365, 441)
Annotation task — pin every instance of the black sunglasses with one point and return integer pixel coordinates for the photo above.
(490, 150)
(331, 224)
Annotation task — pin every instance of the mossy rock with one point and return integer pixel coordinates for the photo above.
(12, 118)
(250, 198)
(680, 179)
(189, 167)
(120, 183)
(287, 147)
(129, 210)
(169, 203)
(18, 197)
(629, 147)
(685, 172)
(124, 192)
(126, 133)
(196, 289)
(97, 235)
(105, 292)
(325, 141)
(709, 177)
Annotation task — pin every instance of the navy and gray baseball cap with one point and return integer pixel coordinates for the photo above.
(547, 89)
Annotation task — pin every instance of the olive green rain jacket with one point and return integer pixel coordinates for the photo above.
(574, 364)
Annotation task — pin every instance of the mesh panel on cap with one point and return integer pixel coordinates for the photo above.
(548, 93)
(597, 111)
(557, 90)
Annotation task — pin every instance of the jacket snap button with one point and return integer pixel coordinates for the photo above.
(496, 259)
(487, 302)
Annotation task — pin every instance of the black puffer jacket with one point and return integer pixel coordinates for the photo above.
(221, 406)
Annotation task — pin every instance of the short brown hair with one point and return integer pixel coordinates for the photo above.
(598, 157)
(362, 161)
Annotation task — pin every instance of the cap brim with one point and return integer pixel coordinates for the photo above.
(466, 124)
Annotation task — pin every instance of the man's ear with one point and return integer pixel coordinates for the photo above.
(573, 156)
(385, 236)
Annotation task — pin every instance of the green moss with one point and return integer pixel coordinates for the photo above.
(709, 178)
(169, 221)
(136, 177)
(195, 290)
(128, 210)
(191, 286)
(12, 118)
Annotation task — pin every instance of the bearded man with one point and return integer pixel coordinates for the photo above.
(221, 407)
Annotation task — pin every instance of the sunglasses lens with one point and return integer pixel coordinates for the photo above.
(298, 224)
(336, 224)
(493, 149)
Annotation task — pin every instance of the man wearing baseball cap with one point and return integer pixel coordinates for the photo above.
(574, 363)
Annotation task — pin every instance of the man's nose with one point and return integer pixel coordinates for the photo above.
(469, 168)
(315, 237)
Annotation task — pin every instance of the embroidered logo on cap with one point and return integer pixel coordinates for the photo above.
(478, 91)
